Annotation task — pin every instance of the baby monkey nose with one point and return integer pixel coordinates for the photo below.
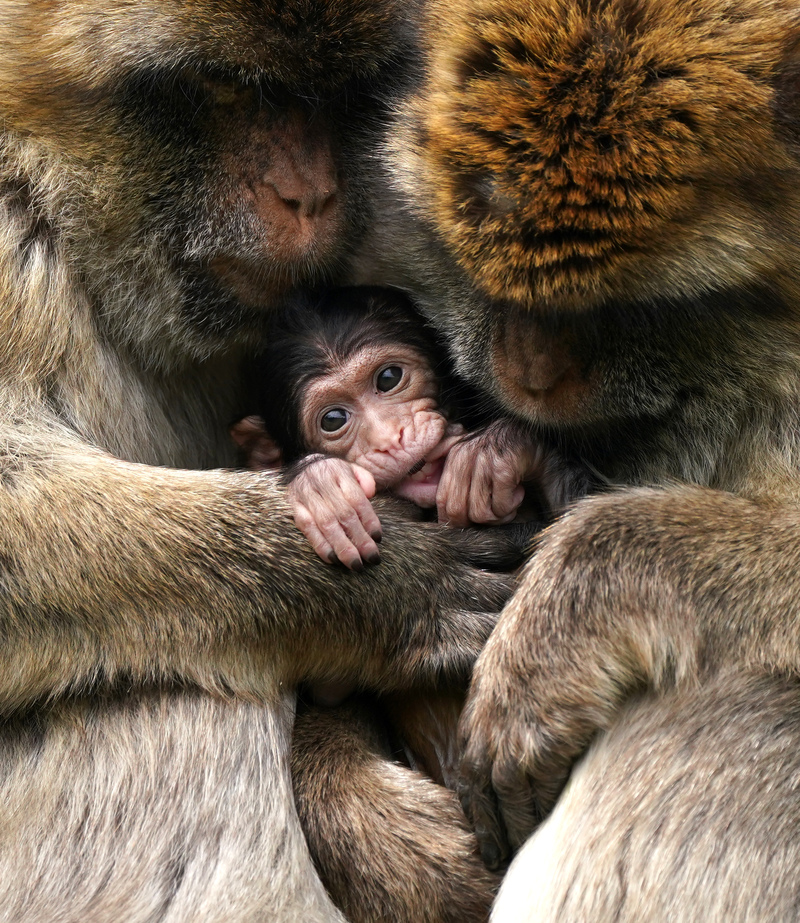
(386, 433)
(388, 438)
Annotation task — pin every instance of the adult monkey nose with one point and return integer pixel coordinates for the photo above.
(524, 354)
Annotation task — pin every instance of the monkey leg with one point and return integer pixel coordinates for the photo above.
(174, 808)
(389, 843)
(686, 810)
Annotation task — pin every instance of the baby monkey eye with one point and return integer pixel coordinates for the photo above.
(334, 419)
(388, 378)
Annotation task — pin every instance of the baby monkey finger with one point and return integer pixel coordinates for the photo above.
(342, 525)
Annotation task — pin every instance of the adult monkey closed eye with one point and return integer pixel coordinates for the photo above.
(609, 204)
(168, 170)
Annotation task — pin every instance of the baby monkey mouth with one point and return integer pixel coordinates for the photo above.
(418, 467)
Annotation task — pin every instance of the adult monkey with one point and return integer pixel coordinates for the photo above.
(168, 170)
(613, 189)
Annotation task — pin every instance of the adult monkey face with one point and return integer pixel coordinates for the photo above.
(226, 155)
(605, 179)
(619, 228)
(163, 163)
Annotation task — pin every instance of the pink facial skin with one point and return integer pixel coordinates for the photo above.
(378, 413)
(386, 426)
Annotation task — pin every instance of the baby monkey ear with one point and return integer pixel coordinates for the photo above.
(258, 449)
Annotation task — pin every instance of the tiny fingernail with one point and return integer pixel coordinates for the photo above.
(332, 557)
(376, 536)
(357, 565)
(374, 558)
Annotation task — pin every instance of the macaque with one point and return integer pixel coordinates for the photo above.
(353, 401)
(599, 210)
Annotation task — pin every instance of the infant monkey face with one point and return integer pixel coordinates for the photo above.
(378, 409)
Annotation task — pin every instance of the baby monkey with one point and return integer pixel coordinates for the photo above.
(353, 399)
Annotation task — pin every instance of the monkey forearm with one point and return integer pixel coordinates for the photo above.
(699, 580)
(664, 584)
(203, 577)
(629, 591)
(647, 588)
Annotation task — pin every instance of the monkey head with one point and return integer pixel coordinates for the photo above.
(606, 175)
(196, 160)
(378, 409)
(353, 374)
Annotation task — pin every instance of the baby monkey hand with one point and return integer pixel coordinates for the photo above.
(330, 501)
(482, 478)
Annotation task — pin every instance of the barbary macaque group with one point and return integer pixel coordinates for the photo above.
(596, 205)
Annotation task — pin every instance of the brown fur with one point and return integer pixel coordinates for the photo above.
(168, 171)
(698, 790)
(602, 215)
(353, 829)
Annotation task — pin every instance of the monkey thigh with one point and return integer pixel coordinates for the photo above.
(389, 843)
(158, 807)
(687, 810)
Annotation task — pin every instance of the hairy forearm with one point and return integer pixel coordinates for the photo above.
(654, 588)
(114, 572)
(130, 570)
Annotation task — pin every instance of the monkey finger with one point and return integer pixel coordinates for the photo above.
(479, 803)
(331, 521)
(516, 802)
(306, 524)
(364, 530)
(342, 527)
(344, 549)
(505, 501)
(479, 506)
(365, 480)
(452, 495)
(492, 487)
(446, 445)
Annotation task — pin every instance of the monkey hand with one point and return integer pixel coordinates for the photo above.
(420, 618)
(601, 613)
(259, 450)
(448, 593)
(482, 478)
(330, 502)
(640, 589)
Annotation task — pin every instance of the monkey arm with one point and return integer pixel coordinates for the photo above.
(635, 590)
(113, 571)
